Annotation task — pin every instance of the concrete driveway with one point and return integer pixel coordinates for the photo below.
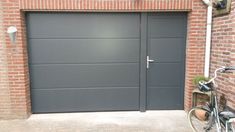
(150, 121)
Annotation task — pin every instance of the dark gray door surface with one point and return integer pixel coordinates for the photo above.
(93, 61)
(166, 46)
(84, 62)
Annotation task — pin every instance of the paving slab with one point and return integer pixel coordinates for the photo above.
(150, 121)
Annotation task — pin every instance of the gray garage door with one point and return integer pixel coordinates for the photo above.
(84, 62)
(97, 61)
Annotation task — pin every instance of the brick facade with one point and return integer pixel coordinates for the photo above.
(223, 53)
(195, 48)
(14, 73)
(15, 101)
(117, 5)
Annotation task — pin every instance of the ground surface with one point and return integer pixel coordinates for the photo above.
(150, 121)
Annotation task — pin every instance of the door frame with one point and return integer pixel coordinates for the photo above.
(142, 57)
(143, 67)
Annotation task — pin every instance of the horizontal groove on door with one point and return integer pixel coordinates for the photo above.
(162, 86)
(98, 63)
(166, 62)
(167, 37)
(86, 38)
(63, 88)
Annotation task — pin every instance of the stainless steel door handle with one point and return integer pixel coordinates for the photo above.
(148, 61)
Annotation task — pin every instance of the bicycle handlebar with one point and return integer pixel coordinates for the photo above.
(221, 69)
(205, 86)
(229, 68)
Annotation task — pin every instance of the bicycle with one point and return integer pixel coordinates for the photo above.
(204, 118)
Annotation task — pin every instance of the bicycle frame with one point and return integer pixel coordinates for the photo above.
(214, 104)
(216, 111)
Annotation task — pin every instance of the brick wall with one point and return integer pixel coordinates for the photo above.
(14, 76)
(195, 48)
(4, 83)
(223, 53)
(117, 5)
(14, 70)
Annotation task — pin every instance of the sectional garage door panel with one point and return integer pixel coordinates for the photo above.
(169, 75)
(168, 25)
(160, 98)
(84, 62)
(83, 99)
(83, 25)
(84, 51)
(84, 75)
(172, 45)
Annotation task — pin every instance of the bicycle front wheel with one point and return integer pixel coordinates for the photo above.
(200, 120)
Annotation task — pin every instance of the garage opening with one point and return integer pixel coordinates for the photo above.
(91, 61)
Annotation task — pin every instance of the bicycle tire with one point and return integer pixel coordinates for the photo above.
(231, 127)
(198, 124)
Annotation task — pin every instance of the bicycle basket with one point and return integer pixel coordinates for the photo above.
(205, 87)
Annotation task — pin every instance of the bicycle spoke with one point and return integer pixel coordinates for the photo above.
(199, 124)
